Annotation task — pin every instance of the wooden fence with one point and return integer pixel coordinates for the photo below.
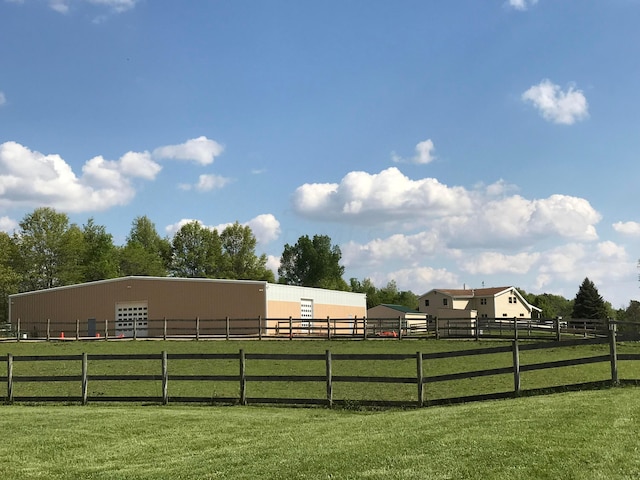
(419, 380)
(295, 328)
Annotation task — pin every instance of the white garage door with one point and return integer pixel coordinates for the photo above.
(129, 316)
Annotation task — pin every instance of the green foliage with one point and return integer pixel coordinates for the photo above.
(238, 255)
(49, 250)
(145, 253)
(197, 252)
(100, 254)
(588, 303)
(552, 306)
(9, 278)
(388, 294)
(312, 263)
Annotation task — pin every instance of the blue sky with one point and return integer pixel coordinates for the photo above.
(439, 144)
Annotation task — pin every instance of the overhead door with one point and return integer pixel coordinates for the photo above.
(130, 316)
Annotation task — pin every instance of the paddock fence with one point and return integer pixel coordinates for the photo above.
(298, 328)
(160, 374)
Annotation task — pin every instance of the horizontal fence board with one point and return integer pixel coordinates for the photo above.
(286, 378)
(203, 356)
(47, 378)
(125, 356)
(373, 356)
(465, 353)
(287, 401)
(46, 358)
(206, 378)
(629, 356)
(462, 375)
(563, 343)
(43, 398)
(470, 398)
(361, 379)
(123, 399)
(284, 356)
(564, 363)
(209, 400)
(110, 378)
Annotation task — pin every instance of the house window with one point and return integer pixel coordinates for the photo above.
(484, 315)
(426, 302)
(445, 301)
(504, 314)
(483, 301)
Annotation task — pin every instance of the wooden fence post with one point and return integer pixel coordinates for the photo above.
(613, 352)
(399, 327)
(515, 328)
(48, 329)
(165, 378)
(259, 327)
(290, 328)
(85, 383)
(227, 327)
(164, 328)
(106, 329)
(557, 325)
(18, 330)
(77, 329)
(329, 378)
(364, 326)
(9, 378)
(243, 379)
(135, 329)
(477, 332)
(328, 328)
(437, 328)
(516, 367)
(197, 328)
(420, 379)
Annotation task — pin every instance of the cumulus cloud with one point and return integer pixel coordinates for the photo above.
(486, 216)
(265, 227)
(627, 228)
(199, 150)
(30, 179)
(394, 248)
(377, 198)
(424, 154)
(555, 105)
(521, 4)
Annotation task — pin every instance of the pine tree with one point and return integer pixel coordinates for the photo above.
(588, 303)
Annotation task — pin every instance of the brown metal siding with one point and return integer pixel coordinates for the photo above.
(170, 298)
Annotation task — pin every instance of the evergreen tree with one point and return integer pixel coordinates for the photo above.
(588, 303)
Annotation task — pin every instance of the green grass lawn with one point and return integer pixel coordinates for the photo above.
(352, 392)
(577, 435)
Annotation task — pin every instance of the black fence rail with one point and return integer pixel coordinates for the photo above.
(298, 328)
(328, 379)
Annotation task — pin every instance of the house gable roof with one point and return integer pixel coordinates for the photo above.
(399, 308)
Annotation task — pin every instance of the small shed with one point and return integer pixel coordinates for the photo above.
(388, 315)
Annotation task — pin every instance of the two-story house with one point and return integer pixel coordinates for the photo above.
(496, 302)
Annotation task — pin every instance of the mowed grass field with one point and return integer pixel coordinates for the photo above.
(573, 435)
(576, 435)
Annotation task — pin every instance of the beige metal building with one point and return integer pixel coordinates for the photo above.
(147, 306)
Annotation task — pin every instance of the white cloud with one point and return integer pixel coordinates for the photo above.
(116, 5)
(265, 227)
(627, 228)
(29, 178)
(210, 182)
(273, 263)
(424, 154)
(555, 105)
(490, 263)
(394, 248)
(521, 4)
(3, 99)
(7, 224)
(378, 198)
(487, 216)
(200, 150)
(419, 280)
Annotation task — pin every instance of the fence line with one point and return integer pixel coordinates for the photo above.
(296, 328)
(329, 378)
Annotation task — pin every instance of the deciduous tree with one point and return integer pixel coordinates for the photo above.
(239, 257)
(197, 252)
(312, 263)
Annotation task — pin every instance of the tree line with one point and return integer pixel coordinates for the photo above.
(47, 251)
